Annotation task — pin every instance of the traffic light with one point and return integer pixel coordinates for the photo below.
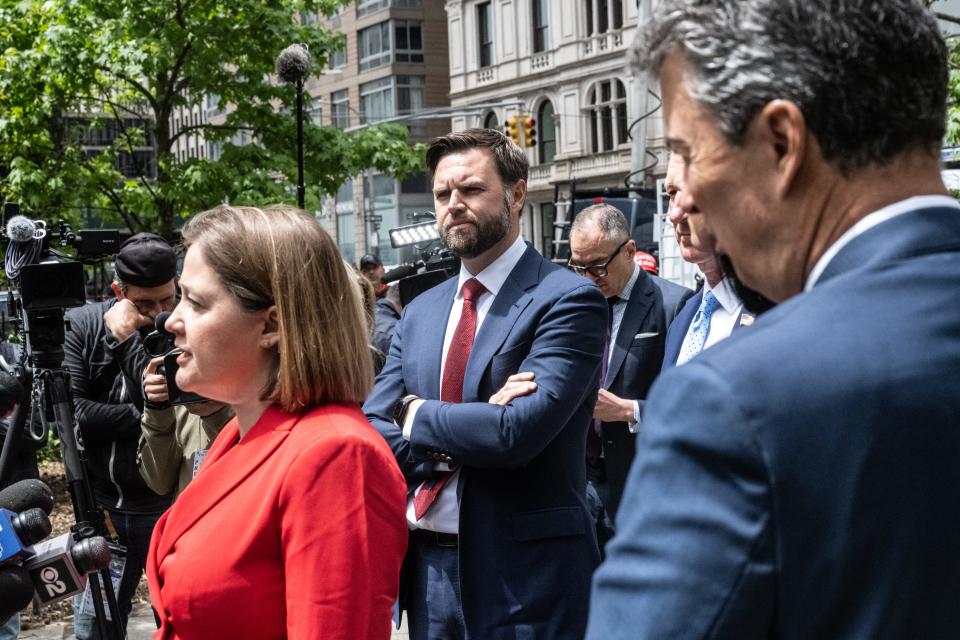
(529, 131)
(513, 129)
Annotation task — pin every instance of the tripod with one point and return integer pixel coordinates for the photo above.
(52, 383)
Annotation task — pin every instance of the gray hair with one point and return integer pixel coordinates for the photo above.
(869, 76)
(607, 218)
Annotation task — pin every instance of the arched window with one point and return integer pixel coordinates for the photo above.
(490, 121)
(547, 132)
(607, 110)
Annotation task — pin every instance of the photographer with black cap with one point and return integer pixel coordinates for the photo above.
(104, 353)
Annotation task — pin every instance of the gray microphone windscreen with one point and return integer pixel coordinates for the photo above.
(20, 229)
(293, 63)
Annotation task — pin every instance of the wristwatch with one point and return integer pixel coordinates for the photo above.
(400, 409)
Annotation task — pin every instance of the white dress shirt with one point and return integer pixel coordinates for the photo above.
(444, 515)
(871, 220)
(725, 316)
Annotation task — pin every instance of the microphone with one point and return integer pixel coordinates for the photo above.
(293, 63)
(20, 530)
(27, 494)
(16, 591)
(59, 567)
(20, 229)
(401, 272)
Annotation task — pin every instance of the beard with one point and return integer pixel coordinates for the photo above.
(465, 244)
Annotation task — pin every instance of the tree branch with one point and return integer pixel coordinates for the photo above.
(946, 17)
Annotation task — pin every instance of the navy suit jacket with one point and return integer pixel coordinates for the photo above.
(637, 352)
(800, 480)
(527, 545)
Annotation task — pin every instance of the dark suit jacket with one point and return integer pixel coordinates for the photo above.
(527, 546)
(799, 480)
(637, 352)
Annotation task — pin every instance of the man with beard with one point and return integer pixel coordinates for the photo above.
(723, 304)
(104, 352)
(799, 479)
(501, 544)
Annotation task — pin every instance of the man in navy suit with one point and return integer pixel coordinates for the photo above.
(697, 246)
(501, 542)
(799, 479)
(641, 308)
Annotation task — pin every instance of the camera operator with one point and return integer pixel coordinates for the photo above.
(103, 351)
(174, 439)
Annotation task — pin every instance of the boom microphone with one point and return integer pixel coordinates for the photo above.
(293, 63)
(27, 494)
(16, 591)
(20, 229)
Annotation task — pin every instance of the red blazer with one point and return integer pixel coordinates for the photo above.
(297, 531)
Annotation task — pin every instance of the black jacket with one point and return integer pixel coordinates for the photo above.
(105, 377)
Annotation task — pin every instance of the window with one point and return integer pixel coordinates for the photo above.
(376, 101)
(374, 46)
(315, 113)
(409, 94)
(340, 109)
(547, 132)
(389, 97)
(407, 41)
(485, 33)
(366, 7)
(541, 31)
(491, 121)
(607, 105)
(338, 59)
(603, 15)
(377, 48)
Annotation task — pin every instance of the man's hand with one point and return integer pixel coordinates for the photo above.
(123, 319)
(205, 408)
(611, 408)
(519, 384)
(155, 384)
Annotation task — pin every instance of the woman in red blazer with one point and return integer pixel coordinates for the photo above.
(294, 526)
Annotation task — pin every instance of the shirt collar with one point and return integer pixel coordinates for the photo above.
(725, 295)
(493, 277)
(624, 295)
(871, 220)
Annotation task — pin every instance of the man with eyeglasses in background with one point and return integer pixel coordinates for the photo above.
(104, 353)
(641, 308)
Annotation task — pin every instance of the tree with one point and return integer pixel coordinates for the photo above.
(128, 64)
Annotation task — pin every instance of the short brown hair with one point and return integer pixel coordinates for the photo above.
(510, 160)
(281, 256)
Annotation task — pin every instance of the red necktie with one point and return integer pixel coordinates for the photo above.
(451, 386)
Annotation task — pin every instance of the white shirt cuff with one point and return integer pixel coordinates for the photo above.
(634, 425)
(408, 419)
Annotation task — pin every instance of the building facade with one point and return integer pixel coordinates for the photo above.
(393, 69)
(563, 63)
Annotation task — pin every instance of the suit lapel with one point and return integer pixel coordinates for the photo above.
(218, 479)
(510, 302)
(639, 307)
(678, 329)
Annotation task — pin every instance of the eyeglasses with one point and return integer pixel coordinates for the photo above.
(596, 270)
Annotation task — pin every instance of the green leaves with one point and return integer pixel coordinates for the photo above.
(128, 60)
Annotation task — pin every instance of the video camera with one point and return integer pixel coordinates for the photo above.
(434, 266)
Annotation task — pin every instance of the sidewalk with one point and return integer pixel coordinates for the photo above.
(140, 627)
